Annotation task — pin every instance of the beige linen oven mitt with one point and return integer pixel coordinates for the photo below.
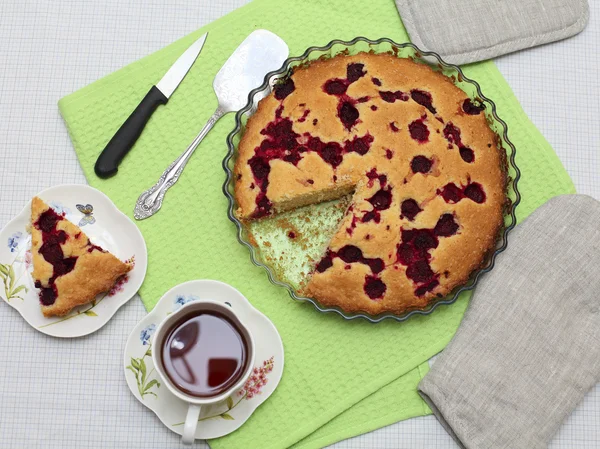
(464, 31)
(528, 348)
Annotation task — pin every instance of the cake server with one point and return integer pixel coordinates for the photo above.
(260, 53)
(120, 144)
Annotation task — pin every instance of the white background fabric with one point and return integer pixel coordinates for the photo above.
(57, 394)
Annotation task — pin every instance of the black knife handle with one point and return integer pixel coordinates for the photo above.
(108, 161)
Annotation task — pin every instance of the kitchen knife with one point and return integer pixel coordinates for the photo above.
(116, 149)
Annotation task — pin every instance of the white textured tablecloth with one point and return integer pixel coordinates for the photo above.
(72, 393)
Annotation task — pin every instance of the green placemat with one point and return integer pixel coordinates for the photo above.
(332, 365)
(395, 402)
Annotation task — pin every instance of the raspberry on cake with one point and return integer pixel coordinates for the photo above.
(427, 176)
(68, 269)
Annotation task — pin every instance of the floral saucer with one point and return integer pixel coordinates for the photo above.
(106, 226)
(218, 419)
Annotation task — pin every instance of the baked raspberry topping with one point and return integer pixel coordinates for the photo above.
(421, 164)
(348, 114)
(304, 115)
(260, 168)
(283, 89)
(471, 108)
(331, 153)
(452, 134)
(394, 127)
(52, 252)
(349, 254)
(446, 226)
(336, 86)
(381, 200)
(453, 194)
(359, 145)
(422, 239)
(374, 287)
(372, 215)
(474, 191)
(47, 295)
(263, 206)
(352, 227)
(467, 154)
(376, 81)
(280, 135)
(427, 287)
(391, 97)
(389, 153)
(47, 221)
(325, 263)
(420, 272)
(423, 98)
(409, 209)
(92, 247)
(413, 252)
(355, 71)
(418, 131)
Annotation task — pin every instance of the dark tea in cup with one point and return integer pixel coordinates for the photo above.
(204, 353)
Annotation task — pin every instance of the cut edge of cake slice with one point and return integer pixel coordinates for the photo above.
(68, 269)
(285, 203)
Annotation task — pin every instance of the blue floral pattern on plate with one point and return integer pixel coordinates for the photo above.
(146, 334)
(13, 241)
(181, 300)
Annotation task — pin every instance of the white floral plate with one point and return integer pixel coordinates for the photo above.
(106, 226)
(218, 419)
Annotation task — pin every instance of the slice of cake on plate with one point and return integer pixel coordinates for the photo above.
(68, 268)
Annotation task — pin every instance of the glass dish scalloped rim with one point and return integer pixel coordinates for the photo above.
(345, 46)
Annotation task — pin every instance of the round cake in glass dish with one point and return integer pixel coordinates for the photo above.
(427, 175)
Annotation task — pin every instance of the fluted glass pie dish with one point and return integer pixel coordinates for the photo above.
(288, 245)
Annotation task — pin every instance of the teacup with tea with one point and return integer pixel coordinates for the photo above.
(203, 353)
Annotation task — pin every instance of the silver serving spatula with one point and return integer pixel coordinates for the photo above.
(260, 53)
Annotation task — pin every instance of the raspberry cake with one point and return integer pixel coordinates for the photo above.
(426, 172)
(68, 269)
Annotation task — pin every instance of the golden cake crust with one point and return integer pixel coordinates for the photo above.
(401, 114)
(94, 271)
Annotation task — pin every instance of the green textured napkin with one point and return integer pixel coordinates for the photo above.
(331, 365)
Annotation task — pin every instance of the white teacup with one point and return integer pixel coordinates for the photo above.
(195, 402)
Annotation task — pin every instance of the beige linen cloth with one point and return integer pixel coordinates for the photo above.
(528, 348)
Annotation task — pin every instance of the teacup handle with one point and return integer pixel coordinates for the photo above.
(191, 423)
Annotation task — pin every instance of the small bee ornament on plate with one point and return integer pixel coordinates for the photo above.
(88, 214)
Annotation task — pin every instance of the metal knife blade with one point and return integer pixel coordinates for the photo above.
(177, 72)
